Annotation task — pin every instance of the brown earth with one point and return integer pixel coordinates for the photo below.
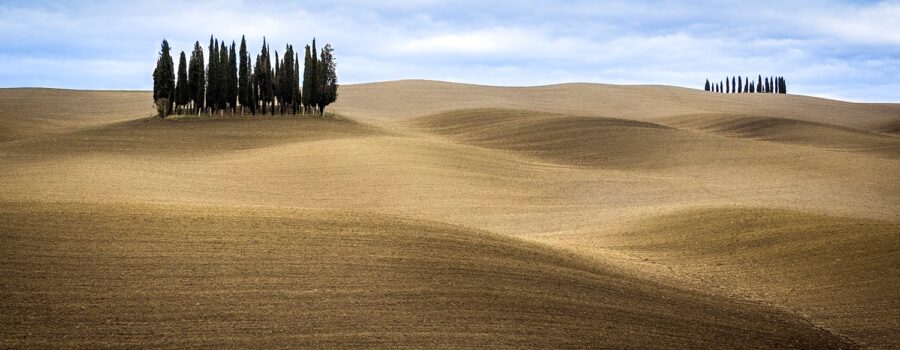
(446, 215)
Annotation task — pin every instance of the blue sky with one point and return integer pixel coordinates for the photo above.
(838, 49)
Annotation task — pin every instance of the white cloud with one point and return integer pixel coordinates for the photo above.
(822, 47)
(876, 24)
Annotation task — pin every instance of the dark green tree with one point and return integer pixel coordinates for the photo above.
(164, 81)
(286, 79)
(244, 76)
(276, 84)
(212, 76)
(296, 79)
(222, 94)
(232, 79)
(263, 75)
(197, 78)
(706, 87)
(254, 88)
(308, 78)
(182, 90)
(327, 79)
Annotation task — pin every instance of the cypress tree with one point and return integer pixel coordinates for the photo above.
(264, 79)
(197, 78)
(747, 85)
(733, 85)
(182, 92)
(256, 84)
(759, 84)
(740, 85)
(223, 76)
(211, 75)
(296, 81)
(783, 86)
(286, 77)
(327, 78)
(307, 82)
(276, 85)
(314, 60)
(727, 86)
(232, 79)
(706, 87)
(244, 76)
(164, 80)
(257, 81)
(270, 83)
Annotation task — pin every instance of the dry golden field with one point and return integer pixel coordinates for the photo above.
(441, 215)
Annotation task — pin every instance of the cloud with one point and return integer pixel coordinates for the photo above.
(826, 48)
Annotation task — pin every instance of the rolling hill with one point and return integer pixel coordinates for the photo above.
(434, 214)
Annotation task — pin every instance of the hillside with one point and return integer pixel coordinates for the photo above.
(325, 279)
(839, 270)
(435, 214)
(411, 98)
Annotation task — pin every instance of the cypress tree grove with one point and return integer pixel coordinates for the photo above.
(327, 78)
(164, 81)
(244, 76)
(182, 91)
(197, 78)
(226, 80)
(232, 79)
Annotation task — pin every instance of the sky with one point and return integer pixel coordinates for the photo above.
(846, 50)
